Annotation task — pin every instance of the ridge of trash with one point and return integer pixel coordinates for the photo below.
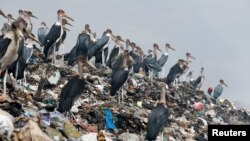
(28, 119)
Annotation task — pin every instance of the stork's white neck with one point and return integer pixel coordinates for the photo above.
(60, 19)
(108, 34)
(118, 44)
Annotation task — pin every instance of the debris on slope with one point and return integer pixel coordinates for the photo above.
(37, 119)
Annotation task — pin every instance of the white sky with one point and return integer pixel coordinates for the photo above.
(216, 32)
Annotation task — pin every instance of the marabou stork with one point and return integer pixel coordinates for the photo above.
(7, 26)
(150, 62)
(158, 117)
(115, 52)
(132, 53)
(70, 92)
(175, 71)
(118, 62)
(101, 56)
(9, 47)
(138, 57)
(64, 23)
(219, 89)
(164, 57)
(80, 52)
(42, 32)
(99, 46)
(197, 84)
(80, 49)
(54, 36)
(189, 59)
(17, 68)
(120, 75)
(27, 16)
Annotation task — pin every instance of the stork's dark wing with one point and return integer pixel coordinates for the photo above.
(102, 41)
(51, 38)
(70, 92)
(151, 63)
(156, 121)
(162, 60)
(82, 45)
(116, 65)
(112, 56)
(62, 40)
(118, 79)
(4, 43)
(42, 33)
(138, 61)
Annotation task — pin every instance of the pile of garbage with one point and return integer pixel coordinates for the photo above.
(24, 117)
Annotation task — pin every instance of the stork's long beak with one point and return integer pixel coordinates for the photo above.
(32, 38)
(33, 16)
(122, 40)
(66, 16)
(1, 13)
(225, 84)
(69, 24)
(66, 29)
(27, 35)
(159, 49)
(131, 59)
(192, 57)
(12, 18)
(172, 48)
(112, 35)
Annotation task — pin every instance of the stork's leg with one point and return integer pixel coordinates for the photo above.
(163, 70)
(54, 55)
(150, 74)
(103, 59)
(63, 51)
(80, 69)
(92, 61)
(118, 98)
(4, 82)
(24, 75)
(16, 70)
(162, 139)
(122, 95)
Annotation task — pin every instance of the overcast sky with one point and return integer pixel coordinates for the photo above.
(216, 32)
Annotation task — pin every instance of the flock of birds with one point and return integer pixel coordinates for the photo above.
(17, 43)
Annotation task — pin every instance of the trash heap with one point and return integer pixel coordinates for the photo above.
(24, 118)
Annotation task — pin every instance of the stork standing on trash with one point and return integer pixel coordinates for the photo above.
(197, 84)
(17, 68)
(9, 47)
(151, 65)
(158, 117)
(175, 71)
(164, 57)
(135, 54)
(61, 42)
(116, 51)
(54, 36)
(120, 73)
(219, 89)
(101, 56)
